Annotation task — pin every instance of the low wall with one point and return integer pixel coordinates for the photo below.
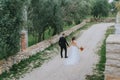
(112, 69)
(7, 64)
(109, 19)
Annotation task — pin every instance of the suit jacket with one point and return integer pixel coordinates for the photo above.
(63, 42)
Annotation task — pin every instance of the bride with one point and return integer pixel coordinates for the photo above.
(74, 53)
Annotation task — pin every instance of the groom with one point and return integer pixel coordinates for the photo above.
(63, 45)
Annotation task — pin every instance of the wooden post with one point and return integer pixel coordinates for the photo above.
(24, 40)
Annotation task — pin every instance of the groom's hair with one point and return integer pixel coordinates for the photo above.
(73, 38)
(63, 34)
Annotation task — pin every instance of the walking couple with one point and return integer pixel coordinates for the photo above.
(74, 53)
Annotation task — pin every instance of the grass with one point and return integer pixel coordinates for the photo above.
(34, 61)
(31, 40)
(100, 67)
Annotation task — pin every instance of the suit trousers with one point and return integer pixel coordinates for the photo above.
(65, 49)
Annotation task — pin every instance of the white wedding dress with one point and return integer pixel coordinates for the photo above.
(73, 56)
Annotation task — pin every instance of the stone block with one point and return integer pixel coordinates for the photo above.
(113, 39)
(113, 62)
(112, 70)
(111, 55)
(111, 77)
(114, 48)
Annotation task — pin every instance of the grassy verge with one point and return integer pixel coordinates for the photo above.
(36, 60)
(100, 67)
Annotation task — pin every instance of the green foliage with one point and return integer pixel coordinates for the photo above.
(45, 14)
(113, 7)
(116, 0)
(100, 8)
(10, 19)
(75, 11)
(54, 15)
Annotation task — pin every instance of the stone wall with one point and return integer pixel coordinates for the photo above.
(112, 69)
(109, 19)
(7, 64)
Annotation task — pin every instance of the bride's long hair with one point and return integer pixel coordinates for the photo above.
(73, 38)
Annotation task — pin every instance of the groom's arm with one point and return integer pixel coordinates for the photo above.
(66, 42)
(60, 41)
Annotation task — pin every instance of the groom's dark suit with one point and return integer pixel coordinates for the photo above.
(63, 45)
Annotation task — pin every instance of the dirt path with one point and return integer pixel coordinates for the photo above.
(55, 69)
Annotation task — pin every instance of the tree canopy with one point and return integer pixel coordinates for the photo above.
(53, 14)
(100, 8)
(10, 21)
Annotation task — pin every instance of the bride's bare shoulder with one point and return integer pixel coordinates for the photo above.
(73, 42)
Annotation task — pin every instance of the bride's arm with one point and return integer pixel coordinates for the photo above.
(81, 48)
(76, 44)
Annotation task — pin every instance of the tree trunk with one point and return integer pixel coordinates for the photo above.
(39, 36)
